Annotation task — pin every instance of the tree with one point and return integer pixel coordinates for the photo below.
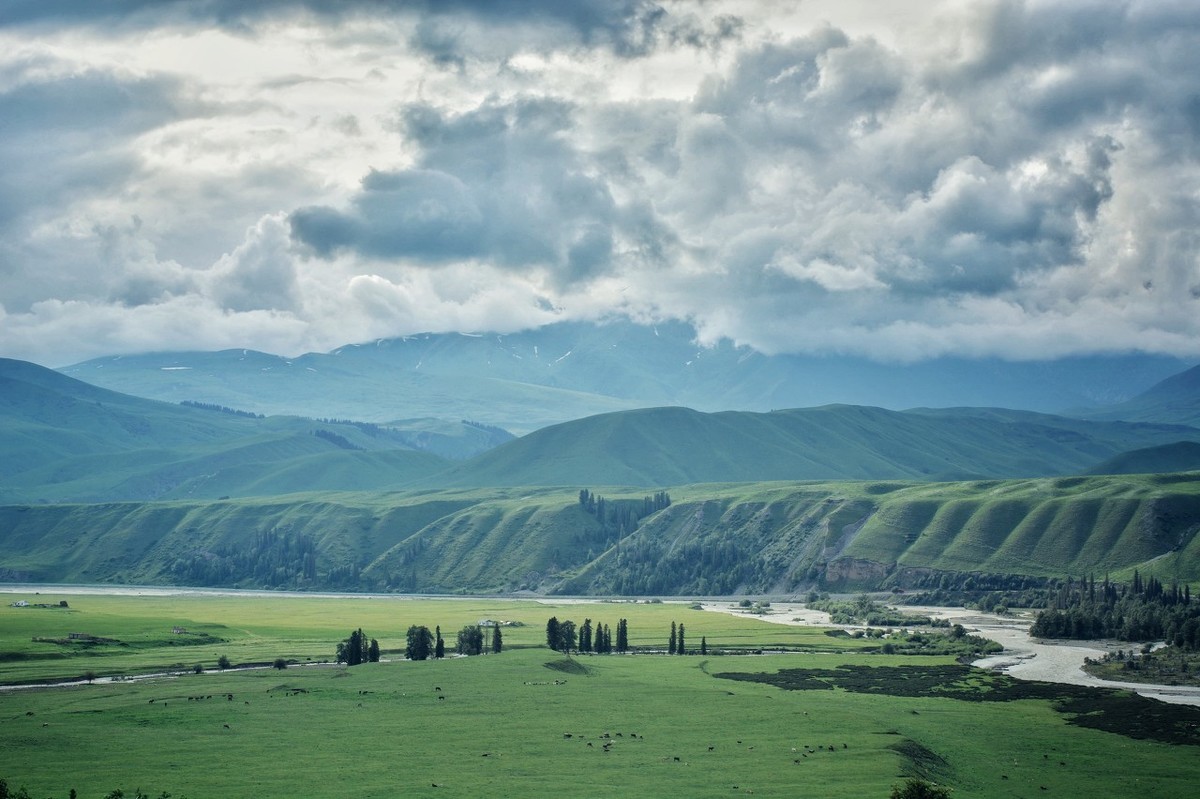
(552, 636)
(439, 647)
(280, 664)
(355, 649)
(470, 640)
(671, 646)
(585, 636)
(566, 636)
(497, 641)
(418, 643)
(679, 647)
(703, 645)
(223, 662)
(917, 788)
(373, 652)
(622, 635)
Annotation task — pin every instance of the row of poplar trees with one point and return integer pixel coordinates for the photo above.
(420, 644)
(564, 636)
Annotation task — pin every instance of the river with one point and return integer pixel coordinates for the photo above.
(1023, 657)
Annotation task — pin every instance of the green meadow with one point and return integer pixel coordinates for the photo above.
(527, 722)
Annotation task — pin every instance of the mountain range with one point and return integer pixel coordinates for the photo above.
(566, 371)
(430, 494)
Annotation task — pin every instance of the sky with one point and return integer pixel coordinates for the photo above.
(898, 180)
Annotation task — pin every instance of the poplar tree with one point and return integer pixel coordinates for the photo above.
(497, 643)
(585, 636)
(439, 646)
(671, 646)
(679, 648)
(552, 632)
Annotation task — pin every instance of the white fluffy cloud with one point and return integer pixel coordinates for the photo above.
(1001, 178)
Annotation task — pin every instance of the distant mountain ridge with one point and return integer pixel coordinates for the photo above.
(65, 440)
(569, 370)
(1175, 400)
(69, 441)
(680, 446)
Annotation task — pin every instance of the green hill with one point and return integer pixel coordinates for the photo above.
(778, 537)
(1175, 400)
(1182, 456)
(65, 440)
(675, 446)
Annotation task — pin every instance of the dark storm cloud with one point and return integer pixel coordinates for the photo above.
(501, 183)
(66, 136)
(447, 30)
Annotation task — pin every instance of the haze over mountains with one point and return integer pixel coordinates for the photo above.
(566, 371)
(102, 485)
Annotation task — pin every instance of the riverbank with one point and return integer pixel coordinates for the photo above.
(1024, 657)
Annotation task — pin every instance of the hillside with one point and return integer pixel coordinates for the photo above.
(68, 441)
(1175, 400)
(65, 440)
(532, 379)
(676, 446)
(1182, 456)
(711, 539)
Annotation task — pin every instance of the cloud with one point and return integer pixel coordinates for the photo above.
(500, 183)
(1015, 179)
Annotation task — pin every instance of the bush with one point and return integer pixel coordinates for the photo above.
(280, 664)
(223, 662)
(917, 788)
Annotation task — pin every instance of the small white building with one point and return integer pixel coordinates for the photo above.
(20, 603)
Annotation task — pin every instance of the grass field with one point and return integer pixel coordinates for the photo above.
(641, 725)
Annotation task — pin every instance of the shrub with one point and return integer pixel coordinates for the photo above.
(917, 788)
(280, 664)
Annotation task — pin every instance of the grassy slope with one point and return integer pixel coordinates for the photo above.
(502, 727)
(1182, 456)
(65, 440)
(675, 446)
(1175, 400)
(714, 539)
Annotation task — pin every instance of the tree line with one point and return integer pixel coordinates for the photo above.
(563, 636)
(622, 515)
(1144, 610)
(420, 643)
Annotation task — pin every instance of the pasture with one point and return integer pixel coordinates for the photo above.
(527, 722)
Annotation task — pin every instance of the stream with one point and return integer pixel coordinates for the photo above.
(1023, 657)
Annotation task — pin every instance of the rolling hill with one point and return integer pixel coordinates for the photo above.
(1182, 456)
(678, 446)
(1175, 400)
(710, 540)
(69, 441)
(65, 440)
